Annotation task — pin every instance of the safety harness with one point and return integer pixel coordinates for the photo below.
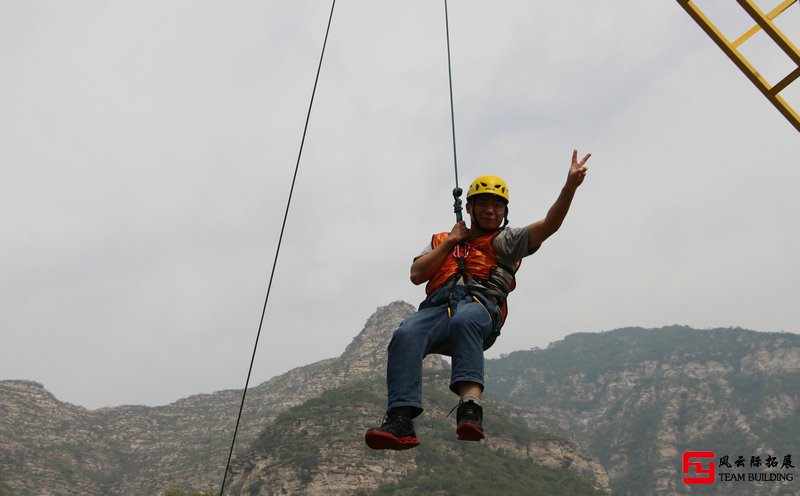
(485, 279)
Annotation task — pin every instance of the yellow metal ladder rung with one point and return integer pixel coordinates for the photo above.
(763, 21)
(771, 15)
(771, 29)
(778, 87)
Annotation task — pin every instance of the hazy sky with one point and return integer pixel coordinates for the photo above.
(147, 148)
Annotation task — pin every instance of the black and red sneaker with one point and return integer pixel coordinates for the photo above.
(395, 433)
(469, 419)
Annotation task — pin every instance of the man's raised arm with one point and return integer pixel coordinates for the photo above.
(543, 229)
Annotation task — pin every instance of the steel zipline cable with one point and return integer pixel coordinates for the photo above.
(457, 191)
(277, 251)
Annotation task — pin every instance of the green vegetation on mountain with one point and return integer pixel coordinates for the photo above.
(308, 436)
(4, 490)
(639, 397)
(181, 492)
(616, 407)
(477, 471)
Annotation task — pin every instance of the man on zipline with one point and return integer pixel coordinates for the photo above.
(469, 274)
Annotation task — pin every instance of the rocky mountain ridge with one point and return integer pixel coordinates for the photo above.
(48, 444)
(639, 398)
(615, 407)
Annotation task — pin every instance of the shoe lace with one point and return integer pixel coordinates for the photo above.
(460, 402)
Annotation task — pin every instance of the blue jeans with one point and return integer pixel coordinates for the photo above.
(471, 328)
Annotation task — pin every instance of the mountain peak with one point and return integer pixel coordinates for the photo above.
(378, 330)
(367, 352)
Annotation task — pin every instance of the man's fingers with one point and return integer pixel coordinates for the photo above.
(575, 162)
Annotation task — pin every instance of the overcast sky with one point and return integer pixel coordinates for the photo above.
(147, 148)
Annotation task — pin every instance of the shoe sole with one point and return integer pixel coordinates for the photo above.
(379, 440)
(469, 432)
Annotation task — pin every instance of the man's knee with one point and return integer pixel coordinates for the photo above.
(405, 335)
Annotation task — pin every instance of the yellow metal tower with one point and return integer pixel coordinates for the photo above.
(763, 21)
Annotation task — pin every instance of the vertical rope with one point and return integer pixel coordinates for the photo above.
(277, 252)
(457, 191)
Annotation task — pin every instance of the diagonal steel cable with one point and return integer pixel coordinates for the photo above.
(277, 252)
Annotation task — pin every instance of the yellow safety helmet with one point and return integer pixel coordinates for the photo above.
(488, 184)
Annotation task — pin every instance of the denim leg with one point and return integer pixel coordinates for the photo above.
(411, 342)
(470, 326)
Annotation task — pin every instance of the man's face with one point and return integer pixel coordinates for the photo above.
(488, 210)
